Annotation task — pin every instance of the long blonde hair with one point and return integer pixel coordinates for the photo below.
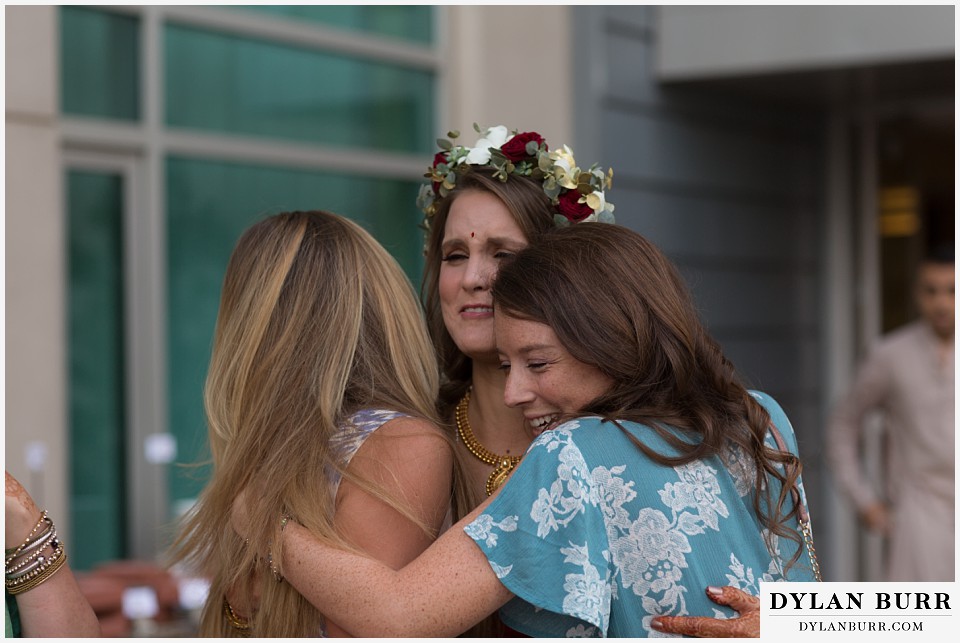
(316, 321)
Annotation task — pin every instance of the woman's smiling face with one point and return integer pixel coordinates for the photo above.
(543, 378)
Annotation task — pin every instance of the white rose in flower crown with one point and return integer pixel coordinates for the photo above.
(493, 137)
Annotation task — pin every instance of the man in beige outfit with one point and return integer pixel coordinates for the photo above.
(909, 378)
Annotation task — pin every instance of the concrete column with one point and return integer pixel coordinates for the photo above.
(36, 439)
(508, 65)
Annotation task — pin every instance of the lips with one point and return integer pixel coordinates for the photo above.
(476, 310)
(542, 423)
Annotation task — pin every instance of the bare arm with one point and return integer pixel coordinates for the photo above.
(56, 607)
(408, 457)
(443, 592)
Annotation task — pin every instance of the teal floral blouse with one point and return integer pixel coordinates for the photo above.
(595, 539)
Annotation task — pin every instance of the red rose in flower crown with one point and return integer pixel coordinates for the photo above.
(438, 158)
(568, 205)
(516, 148)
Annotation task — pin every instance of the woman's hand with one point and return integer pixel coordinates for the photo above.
(746, 625)
(56, 607)
(21, 513)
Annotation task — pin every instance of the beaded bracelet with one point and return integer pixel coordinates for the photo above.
(31, 565)
(39, 575)
(28, 539)
(43, 537)
(32, 552)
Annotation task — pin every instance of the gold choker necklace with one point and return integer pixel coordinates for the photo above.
(502, 465)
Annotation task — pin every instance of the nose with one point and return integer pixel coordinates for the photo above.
(479, 274)
(516, 392)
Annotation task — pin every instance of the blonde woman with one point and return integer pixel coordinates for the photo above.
(321, 388)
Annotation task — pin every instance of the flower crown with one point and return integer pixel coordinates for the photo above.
(577, 195)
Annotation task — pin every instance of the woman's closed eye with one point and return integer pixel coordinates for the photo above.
(454, 256)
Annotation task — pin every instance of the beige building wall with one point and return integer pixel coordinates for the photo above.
(36, 405)
(509, 66)
(483, 80)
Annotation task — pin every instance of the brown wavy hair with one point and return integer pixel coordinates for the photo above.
(316, 321)
(617, 303)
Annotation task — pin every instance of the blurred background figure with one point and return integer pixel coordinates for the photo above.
(909, 378)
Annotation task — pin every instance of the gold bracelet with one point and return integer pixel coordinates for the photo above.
(56, 562)
(24, 559)
(235, 621)
(40, 570)
(26, 541)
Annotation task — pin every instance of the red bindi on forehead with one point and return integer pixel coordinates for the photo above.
(473, 234)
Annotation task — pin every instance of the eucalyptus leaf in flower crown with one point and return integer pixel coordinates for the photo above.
(577, 195)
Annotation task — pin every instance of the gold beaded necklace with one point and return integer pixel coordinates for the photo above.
(502, 465)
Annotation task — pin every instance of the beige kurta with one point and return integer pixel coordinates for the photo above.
(907, 380)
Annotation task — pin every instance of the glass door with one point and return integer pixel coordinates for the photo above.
(96, 365)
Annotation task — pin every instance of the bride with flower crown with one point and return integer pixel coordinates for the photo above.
(483, 204)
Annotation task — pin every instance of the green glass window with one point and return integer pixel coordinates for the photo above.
(96, 367)
(225, 83)
(99, 64)
(209, 205)
(404, 22)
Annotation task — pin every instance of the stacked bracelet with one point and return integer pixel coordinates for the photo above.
(33, 553)
(10, 555)
(26, 566)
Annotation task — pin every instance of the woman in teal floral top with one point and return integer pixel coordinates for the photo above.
(654, 474)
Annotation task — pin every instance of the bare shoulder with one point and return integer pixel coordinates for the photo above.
(409, 426)
(407, 440)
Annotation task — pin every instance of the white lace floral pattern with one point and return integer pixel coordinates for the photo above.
(609, 543)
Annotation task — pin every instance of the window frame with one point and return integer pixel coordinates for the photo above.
(140, 149)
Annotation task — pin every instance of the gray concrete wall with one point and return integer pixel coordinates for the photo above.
(732, 192)
(36, 404)
(716, 41)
